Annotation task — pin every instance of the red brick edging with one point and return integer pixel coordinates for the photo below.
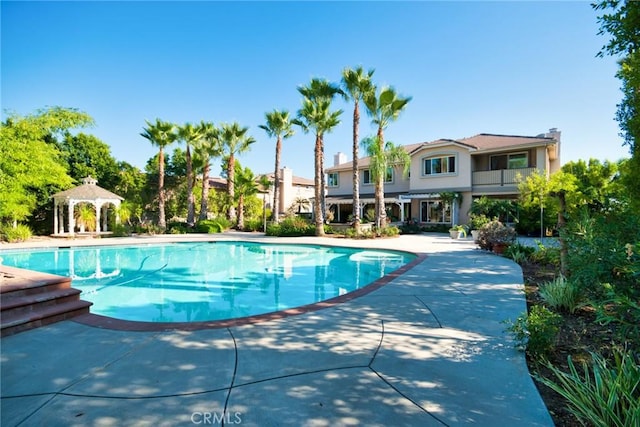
(105, 322)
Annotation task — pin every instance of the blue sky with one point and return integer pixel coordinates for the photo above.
(471, 67)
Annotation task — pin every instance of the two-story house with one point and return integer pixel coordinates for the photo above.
(481, 165)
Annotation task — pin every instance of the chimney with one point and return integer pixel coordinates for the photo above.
(339, 158)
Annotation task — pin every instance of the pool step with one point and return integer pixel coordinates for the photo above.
(30, 299)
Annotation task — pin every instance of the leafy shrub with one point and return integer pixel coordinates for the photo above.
(370, 215)
(293, 226)
(622, 311)
(605, 394)
(208, 226)
(561, 294)
(411, 228)
(519, 252)
(223, 222)
(546, 255)
(389, 231)
(19, 233)
(175, 227)
(536, 332)
(476, 221)
(253, 225)
(120, 230)
(495, 232)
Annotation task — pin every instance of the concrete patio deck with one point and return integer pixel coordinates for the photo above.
(426, 349)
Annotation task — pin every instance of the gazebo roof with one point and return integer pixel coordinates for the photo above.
(89, 190)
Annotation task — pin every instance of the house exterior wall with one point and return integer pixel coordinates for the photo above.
(457, 181)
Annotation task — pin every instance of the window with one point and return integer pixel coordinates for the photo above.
(367, 177)
(439, 165)
(510, 161)
(435, 211)
(332, 179)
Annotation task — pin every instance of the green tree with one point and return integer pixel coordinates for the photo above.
(88, 155)
(560, 188)
(235, 141)
(382, 161)
(190, 135)
(357, 85)
(383, 108)
(279, 126)
(315, 115)
(319, 90)
(245, 187)
(596, 182)
(31, 167)
(208, 146)
(160, 134)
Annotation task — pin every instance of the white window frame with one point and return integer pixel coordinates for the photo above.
(369, 182)
(330, 182)
(441, 157)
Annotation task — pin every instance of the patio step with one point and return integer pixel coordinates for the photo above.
(30, 299)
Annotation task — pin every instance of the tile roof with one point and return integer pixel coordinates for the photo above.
(482, 141)
(87, 191)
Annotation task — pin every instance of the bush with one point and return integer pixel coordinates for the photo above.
(389, 231)
(536, 333)
(411, 228)
(209, 226)
(546, 255)
(19, 233)
(293, 226)
(120, 230)
(477, 221)
(495, 232)
(519, 252)
(606, 394)
(561, 295)
(175, 227)
(253, 225)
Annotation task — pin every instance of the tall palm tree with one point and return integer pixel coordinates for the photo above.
(315, 116)
(383, 108)
(357, 85)
(245, 186)
(319, 91)
(234, 140)
(265, 186)
(160, 134)
(190, 134)
(278, 125)
(381, 161)
(207, 146)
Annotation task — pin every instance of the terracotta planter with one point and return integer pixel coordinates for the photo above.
(498, 248)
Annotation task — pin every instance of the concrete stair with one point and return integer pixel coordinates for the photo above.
(30, 299)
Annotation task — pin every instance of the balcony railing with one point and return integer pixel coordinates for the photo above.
(501, 177)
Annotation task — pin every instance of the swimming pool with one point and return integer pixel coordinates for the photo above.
(195, 282)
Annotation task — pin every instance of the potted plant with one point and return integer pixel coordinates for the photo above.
(495, 236)
(458, 232)
(476, 223)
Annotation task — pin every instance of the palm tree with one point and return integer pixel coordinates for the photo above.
(245, 186)
(85, 217)
(278, 125)
(160, 134)
(357, 86)
(382, 161)
(383, 109)
(190, 134)
(315, 116)
(208, 146)
(234, 141)
(320, 91)
(265, 185)
(300, 203)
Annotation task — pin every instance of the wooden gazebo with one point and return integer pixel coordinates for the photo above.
(88, 192)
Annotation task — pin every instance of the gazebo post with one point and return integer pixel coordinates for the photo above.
(97, 207)
(55, 216)
(71, 219)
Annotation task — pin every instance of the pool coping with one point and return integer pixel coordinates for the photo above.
(107, 322)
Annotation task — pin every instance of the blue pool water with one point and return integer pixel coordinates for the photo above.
(188, 282)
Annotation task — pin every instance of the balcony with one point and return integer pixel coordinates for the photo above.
(501, 177)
